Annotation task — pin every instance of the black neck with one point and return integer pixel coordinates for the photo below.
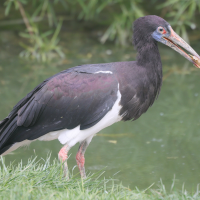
(148, 56)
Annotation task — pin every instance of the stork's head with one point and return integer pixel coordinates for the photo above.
(152, 27)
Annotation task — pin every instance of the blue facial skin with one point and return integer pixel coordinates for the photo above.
(156, 35)
(159, 36)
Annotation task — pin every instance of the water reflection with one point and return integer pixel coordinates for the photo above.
(164, 142)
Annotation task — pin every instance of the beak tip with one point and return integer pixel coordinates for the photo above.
(196, 61)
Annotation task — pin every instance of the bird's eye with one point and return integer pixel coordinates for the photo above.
(161, 30)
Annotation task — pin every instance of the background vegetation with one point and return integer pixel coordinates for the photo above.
(42, 20)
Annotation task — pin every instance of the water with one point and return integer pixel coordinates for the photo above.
(163, 143)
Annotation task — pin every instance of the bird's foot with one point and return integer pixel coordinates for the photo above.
(65, 171)
(80, 162)
(82, 172)
(62, 155)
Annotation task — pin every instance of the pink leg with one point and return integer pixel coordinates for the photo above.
(80, 159)
(62, 155)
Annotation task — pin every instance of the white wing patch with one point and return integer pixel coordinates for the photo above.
(104, 72)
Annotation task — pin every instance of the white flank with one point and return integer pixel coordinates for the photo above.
(73, 136)
(17, 145)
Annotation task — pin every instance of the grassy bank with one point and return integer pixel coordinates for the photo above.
(44, 180)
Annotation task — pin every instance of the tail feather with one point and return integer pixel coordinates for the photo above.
(4, 149)
(2, 123)
(8, 126)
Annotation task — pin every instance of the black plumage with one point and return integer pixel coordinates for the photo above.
(66, 100)
(84, 95)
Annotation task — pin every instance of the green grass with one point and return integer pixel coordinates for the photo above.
(44, 180)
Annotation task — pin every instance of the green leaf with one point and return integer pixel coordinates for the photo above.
(8, 6)
(55, 35)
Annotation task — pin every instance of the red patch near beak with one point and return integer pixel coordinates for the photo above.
(164, 31)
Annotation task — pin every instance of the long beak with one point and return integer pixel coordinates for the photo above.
(175, 42)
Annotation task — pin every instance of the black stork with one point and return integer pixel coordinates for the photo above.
(75, 104)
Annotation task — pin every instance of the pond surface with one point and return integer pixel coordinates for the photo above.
(161, 144)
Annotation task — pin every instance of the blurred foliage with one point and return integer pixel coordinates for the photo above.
(41, 47)
(39, 8)
(115, 17)
(121, 14)
(181, 14)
